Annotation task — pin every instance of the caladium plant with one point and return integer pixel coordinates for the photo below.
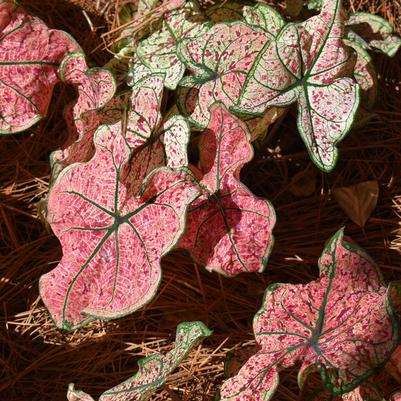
(308, 64)
(228, 228)
(30, 55)
(96, 88)
(344, 324)
(112, 242)
(153, 370)
(219, 62)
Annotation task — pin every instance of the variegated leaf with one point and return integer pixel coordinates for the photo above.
(308, 64)
(176, 135)
(219, 62)
(112, 242)
(344, 324)
(229, 230)
(153, 370)
(158, 51)
(96, 88)
(30, 56)
(373, 32)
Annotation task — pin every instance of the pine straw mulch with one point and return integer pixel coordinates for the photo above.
(37, 362)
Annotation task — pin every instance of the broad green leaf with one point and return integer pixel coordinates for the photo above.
(158, 51)
(229, 230)
(112, 242)
(153, 370)
(30, 56)
(344, 325)
(373, 32)
(219, 62)
(308, 64)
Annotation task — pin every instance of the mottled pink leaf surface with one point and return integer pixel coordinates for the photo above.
(153, 370)
(96, 88)
(30, 56)
(219, 62)
(308, 64)
(112, 242)
(229, 229)
(343, 324)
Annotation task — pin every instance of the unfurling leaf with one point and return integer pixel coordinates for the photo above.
(112, 242)
(343, 324)
(219, 62)
(153, 370)
(30, 56)
(229, 230)
(308, 64)
(96, 88)
(358, 201)
(373, 32)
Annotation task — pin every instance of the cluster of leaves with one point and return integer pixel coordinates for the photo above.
(123, 192)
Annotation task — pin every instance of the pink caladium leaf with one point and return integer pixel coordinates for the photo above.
(158, 51)
(344, 324)
(229, 11)
(96, 88)
(112, 242)
(229, 229)
(308, 64)
(153, 370)
(219, 62)
(30, 56)
(176, 135)
(373, 32)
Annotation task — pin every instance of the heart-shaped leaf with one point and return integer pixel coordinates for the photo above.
(358, 201)
(219, 62)
(228, 228)
(112, 242)
(96, 88)
(158, 51)
(308, 64)
(153, 370)
(373, 32)
(30, 55)
(343, 324)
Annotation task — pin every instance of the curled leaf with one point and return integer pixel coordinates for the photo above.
(308, 64)
(228, 11)
(153, 370)
(30, 56)
(373, 32)
(358, 201)
(229, 230)
(344, 324)
(96, 88)
(112, 242)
